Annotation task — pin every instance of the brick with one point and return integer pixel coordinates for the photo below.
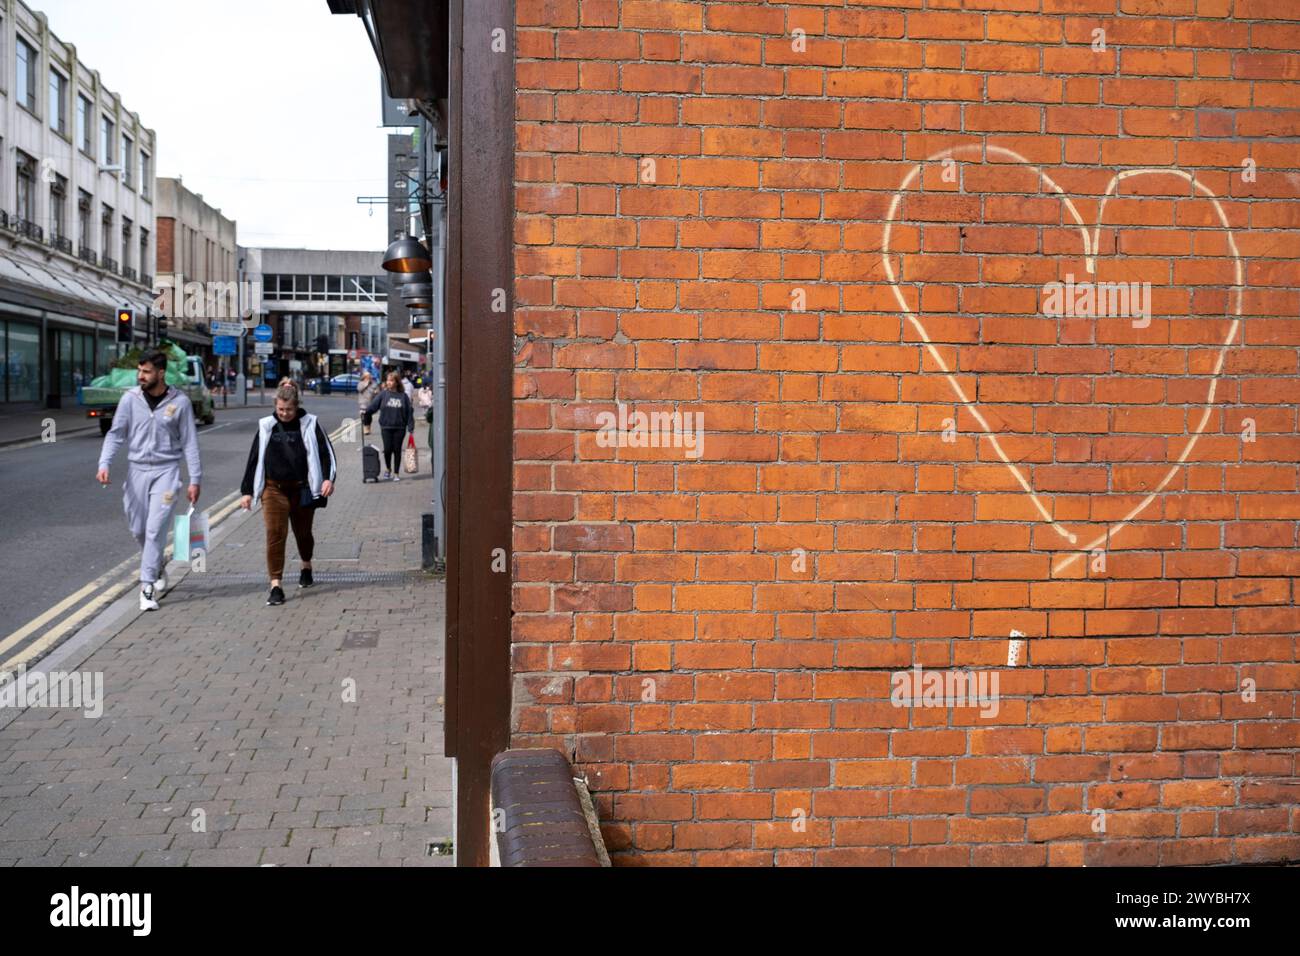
(830, 535)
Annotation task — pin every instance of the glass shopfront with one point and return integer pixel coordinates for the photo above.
(108, 353)
(20, 344)
(72, 360)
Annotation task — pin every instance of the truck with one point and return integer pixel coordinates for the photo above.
(101, 396)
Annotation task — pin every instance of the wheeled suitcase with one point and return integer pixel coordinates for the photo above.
(369, 463)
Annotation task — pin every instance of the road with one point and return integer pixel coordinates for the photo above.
(59, 529)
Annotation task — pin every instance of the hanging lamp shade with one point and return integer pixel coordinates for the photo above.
(407, 254)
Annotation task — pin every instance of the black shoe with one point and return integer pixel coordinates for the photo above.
(277, 597)
(304, 578)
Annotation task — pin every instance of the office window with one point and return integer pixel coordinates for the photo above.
(146, 267)
(106, 141)
(25, 91)
(26, 183)
(84, 237)
(58, 207)
(146, 174)
(126, 242)
(106, 234)
(128, 161)
(58, 103)
(334, 288)
(85, 132)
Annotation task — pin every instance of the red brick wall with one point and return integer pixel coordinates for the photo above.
(904, 458)
(166, 245)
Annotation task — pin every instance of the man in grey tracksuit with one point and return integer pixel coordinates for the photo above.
(156, 422)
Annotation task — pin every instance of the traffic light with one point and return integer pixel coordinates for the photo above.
(125, 325)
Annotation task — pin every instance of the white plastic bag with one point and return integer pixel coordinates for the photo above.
(190, 536)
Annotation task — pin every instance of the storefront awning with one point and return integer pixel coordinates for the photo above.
(410, 41)
(59, 291)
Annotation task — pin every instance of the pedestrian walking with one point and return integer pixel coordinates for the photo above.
(367, 389)
(396, 419)
(291, 470)
(156, 423)
(407, 387)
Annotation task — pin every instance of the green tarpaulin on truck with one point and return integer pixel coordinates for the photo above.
(177, 372)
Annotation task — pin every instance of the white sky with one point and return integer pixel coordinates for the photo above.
(269, 108)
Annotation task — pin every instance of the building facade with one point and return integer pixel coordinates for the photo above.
(76, 214)
(328, 310)
(196, 243)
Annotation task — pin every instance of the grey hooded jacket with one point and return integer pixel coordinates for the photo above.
(157, 438)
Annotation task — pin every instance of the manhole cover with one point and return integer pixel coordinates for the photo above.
(361, 639)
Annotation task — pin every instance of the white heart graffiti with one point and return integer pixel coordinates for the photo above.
(1090, 246)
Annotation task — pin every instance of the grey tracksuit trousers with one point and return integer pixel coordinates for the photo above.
(148, 497)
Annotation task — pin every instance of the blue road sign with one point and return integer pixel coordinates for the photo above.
(225, 345)
(263, 333)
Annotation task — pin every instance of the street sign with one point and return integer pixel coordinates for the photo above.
(263, 348)
(225, 345)
(227, 328)
(263, 333)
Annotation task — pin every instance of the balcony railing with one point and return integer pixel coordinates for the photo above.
(25, 227)
(109, 264)
(4, 220)
(146, 281)
(62, 243)
(128, 273)
(87, 254)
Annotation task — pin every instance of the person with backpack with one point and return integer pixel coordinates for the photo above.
(396, 419)
(291, 470)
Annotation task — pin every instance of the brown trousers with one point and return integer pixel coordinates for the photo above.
(280, 509)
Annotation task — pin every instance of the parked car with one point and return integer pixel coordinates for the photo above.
(344, 383)
(312, 384)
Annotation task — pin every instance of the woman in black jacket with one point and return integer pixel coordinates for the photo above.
(291, 471)
(396, 418)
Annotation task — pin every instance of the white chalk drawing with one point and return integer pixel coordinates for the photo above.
(1090, 246)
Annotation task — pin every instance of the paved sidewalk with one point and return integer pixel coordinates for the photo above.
(31, 424)
(218, 703)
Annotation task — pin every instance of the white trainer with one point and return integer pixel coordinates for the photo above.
(160, 586)
(148, 598)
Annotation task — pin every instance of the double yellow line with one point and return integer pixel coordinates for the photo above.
(102, 591)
